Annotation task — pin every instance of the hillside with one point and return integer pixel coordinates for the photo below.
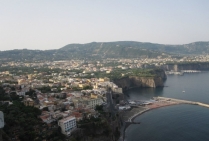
(99, 50)
(136, 49)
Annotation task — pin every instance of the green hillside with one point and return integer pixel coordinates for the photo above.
(99, 50)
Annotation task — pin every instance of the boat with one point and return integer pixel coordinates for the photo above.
(183, 91)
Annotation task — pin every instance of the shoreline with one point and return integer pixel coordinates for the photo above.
(131, 119)
(148, 108)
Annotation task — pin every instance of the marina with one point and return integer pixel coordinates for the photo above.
(182, 72)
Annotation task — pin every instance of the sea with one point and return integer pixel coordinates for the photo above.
(173, 123)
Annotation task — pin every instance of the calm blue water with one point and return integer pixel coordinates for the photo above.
(174, 123)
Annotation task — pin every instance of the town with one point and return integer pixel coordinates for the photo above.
(70, 91)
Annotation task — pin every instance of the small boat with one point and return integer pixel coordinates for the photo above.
(183, 91)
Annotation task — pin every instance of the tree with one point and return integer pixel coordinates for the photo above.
(99, 108)
(87, 87)
(30, 92)
(45, 109)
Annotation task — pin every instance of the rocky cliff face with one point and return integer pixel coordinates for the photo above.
(134, 81)
(160, 73)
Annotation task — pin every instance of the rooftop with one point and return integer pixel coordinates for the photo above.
(66, 119)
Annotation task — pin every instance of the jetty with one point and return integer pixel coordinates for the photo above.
(129, 115)
(158, 102)
(179, 101)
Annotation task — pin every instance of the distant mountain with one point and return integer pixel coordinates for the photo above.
(123, 49)
(99, 50)
(138, 47)
(26, 55)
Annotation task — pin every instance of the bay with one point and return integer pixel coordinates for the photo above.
(173, 123)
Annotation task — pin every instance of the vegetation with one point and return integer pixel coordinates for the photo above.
(17, 116)
(96, 127)
(98, 50)
(22, 122)
(3, 95)
(31, 93)
(28, 70)
(119, 73)
(46, 89)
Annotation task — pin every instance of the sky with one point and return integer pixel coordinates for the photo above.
(52, 24)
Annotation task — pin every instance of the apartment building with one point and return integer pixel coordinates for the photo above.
(91, 103)
(67, 125)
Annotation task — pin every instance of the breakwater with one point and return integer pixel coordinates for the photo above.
(182, 101)
(159, 102)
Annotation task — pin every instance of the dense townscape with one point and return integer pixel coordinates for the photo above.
(104, 70)
(59, 98)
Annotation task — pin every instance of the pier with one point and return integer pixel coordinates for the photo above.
(179, 101)
(129, 116)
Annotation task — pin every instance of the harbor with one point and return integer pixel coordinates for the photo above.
(141, 107)
(182, 72)
(189, 113)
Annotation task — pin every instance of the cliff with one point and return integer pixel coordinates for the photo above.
(134, 81)
(157, 80)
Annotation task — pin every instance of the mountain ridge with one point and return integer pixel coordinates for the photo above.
(99, 50)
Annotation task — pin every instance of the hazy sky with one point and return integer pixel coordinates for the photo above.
(52, 24)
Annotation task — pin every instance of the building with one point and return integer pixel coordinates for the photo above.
(94, 96)
(28, 102)
(21, 93)
(22, 82)
(91, 103)
(46, 117)
(67, 125)
(117, 90)
(87, 102)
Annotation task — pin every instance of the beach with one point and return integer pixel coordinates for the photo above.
(128, 116)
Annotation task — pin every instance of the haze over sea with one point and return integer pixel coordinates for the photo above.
(174, 123)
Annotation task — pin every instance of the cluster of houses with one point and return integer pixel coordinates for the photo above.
(65, 106)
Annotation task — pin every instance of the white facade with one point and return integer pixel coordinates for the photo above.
(93, 102)
(67, 124)
(21, 93)
(118, 90)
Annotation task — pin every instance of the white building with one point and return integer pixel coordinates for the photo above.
(67, 124)
(117, 90)
(21, 93)
(93, 102)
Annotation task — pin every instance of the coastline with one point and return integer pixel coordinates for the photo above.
(193, 84)
(142, 110)
(131, 119)
(138, 114)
